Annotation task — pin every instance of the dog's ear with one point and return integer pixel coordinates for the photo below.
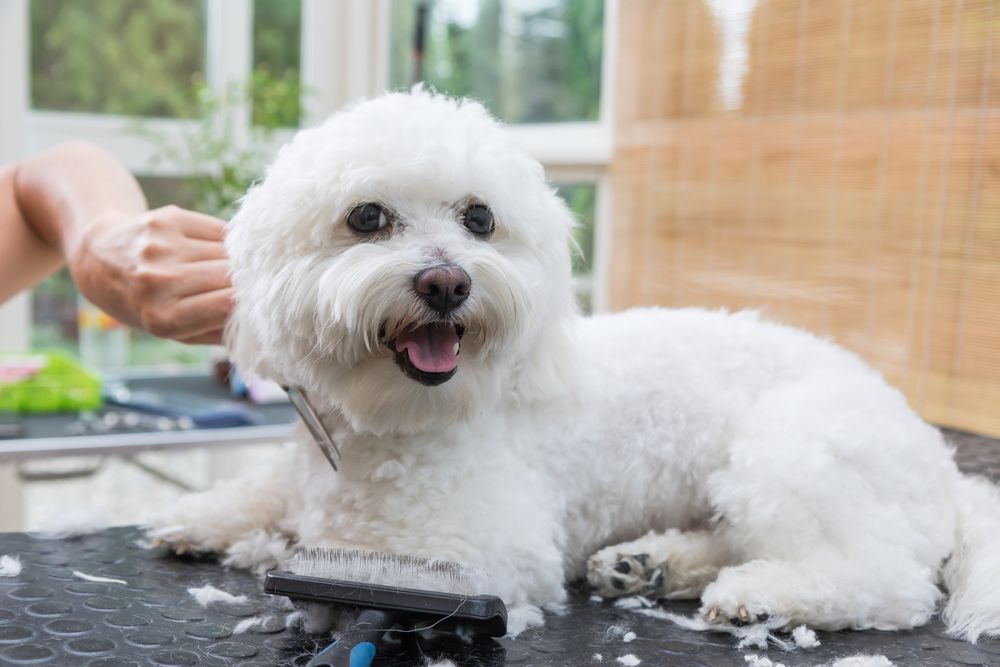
(240, 337)
(245, 350)
(239, 342)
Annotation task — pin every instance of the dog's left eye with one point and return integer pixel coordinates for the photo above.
(478, 219)
(367, 218)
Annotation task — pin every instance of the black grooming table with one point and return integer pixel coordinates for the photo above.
(50, 617)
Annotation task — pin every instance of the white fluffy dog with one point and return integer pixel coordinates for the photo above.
(410, 269)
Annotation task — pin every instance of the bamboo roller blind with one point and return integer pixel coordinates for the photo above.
(835, 163)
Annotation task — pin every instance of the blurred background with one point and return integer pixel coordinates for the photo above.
(832, 163)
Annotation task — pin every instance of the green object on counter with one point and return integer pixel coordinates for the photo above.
(40, 382)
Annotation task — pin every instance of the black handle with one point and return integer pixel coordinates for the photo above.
(356, 647)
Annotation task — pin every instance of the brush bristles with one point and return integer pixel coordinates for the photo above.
(373, 567)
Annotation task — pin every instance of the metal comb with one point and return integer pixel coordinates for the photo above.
(315, 425)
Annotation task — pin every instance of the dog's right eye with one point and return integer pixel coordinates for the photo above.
(367, 218)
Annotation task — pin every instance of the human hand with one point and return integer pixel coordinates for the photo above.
(165, 271)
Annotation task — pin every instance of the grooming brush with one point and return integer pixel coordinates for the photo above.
(387, 590)
(312, 421)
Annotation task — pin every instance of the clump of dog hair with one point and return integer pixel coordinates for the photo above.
(628, 637)
(248, 624)
(628, 660)
(617, 630)
(633, 602)
(864, 660)
(10, 566)
(440, 662)
(754, 660)
(755, 636)
(209, 594)
(597, 657)
(98, 580)
(804, 637)
(523, 617)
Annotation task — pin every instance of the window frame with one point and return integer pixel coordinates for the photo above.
(578, 152)
(571, 152)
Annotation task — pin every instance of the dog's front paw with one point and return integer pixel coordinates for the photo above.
(172, 536)
(749, 594)
(613, 574)
(192, 525)
(739, 616)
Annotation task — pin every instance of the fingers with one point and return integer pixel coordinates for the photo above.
(210, 338)
(193, 224)
(201, 277)
(197, 319)
(197, 250)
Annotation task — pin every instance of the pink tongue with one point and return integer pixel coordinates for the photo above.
(431, 347)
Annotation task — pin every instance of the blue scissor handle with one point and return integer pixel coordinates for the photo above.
(356, 647)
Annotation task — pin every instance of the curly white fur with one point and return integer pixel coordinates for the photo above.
(786, 476)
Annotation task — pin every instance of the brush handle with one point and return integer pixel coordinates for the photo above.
(356, 647)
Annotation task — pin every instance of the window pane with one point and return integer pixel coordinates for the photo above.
(129, 57)
(53, 314)
(275, 90)
(529, 61)
(582, 199)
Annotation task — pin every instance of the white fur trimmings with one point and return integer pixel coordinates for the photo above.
(440, 662)
(407, 265)
(754, 660)
(208, 594)
(804, 637)
(757, 635)
(861, 660)
(628, 660)
(634, 602)
(521, 618)
(96, 579)
(10, 566)
(248, 624)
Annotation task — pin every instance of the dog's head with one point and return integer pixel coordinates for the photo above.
(405, 263)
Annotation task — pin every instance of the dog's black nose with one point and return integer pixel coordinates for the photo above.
(444, 288)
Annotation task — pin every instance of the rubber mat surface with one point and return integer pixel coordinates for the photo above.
(50, 616)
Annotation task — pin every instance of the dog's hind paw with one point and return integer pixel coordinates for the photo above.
(743, 616)
(173, 537)
(613, 574)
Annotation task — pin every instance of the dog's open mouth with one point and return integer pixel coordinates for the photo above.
(427, 353)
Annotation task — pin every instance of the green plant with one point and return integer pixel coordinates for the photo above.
(126, 57)
(220, 164)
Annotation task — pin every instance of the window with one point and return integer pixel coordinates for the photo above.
(582, 201)
(529, 61)
(150, 60)
(130, 57)
(275, 88)
(535, 63)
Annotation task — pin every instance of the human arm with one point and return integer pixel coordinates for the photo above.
(25, 258)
